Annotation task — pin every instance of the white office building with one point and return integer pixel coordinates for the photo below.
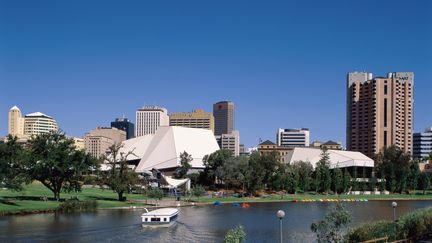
(293, 137)
(38, 123)
(422, 144)
(149, 119)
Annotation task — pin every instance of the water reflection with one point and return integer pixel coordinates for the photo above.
(195, 224)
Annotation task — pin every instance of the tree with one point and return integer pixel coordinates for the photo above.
(332, 227)
(119, 177)
(198, 191)
(291, 179)
(212, 162)
(185, 165)
(394, 164)
(346, 184)
(413, 176)
(304, 170)
(337, 180)
(155, 193)
(424, 182)
(322, 172)
(12, 161)
(236, 235)
(233, 172)
(56, 163)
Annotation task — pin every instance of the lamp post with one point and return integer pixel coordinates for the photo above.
(394, 205)
(280, 214)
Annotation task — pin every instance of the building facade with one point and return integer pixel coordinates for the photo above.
(224, 116)
(379, 112)
(293, 137)
(15, 122)
(125, 125)
(98, 141)
(195, 119)
(268, 147)
(38, 123)
(422, 144)
(149, 119)
(230, 141)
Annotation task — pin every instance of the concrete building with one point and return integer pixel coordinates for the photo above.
(268, 147)
(162, 150)
(149, 119)
(230, 141)
(195, 119)
(125, 125)
(79, 143)
(38, 123)
(379, 112)
(98, 141)
(224, 116)
(328, 145)
(422, 144)
(293, 137)
(15, 122)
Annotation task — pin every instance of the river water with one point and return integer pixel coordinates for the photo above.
(195, 224)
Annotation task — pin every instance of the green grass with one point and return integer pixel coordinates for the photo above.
(31, 199)
(306, 196)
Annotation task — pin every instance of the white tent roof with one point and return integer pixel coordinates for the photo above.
(162, 150)
(175, 183)
(338, 158)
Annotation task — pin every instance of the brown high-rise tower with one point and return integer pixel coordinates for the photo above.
(379, 112)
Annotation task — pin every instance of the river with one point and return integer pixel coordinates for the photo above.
(195, 224)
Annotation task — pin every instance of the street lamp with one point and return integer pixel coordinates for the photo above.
(280, 214)
(394, 205)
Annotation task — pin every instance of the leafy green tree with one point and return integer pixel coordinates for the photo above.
(198, 191)
(346, 184)
(292, 179)
(395, 165)
(119, 177)
(354, 182)
(414, 174)
(56, 163)
(185, 165)
(12, 161)
(305, 170)
(332, 227)
(337, 180)
(212, 162)
(372, 183)
(382, 183)
(424, 181)
(323, 175)
(236, 235)
(233, 173)
(155, 193)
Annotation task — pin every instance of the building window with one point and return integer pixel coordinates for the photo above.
(385, 112)
(385, 89)
(385, 138)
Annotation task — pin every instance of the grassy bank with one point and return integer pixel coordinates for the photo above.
(306, 196)
(31, 199)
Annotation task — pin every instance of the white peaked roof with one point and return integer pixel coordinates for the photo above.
(37, 114)
(162, 150)
(338, 158)
(15, 108)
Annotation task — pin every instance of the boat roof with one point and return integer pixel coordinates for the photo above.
(162, 212)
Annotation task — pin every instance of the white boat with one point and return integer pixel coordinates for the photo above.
(163, 217)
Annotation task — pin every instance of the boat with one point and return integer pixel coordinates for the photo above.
(164, 217)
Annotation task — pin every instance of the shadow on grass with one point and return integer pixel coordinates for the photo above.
(102, 198)
(8, 202)
(31, 198)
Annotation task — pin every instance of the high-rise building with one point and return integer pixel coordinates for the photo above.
(16, 122)
(422, 144)
(292, 137)
(224, 113)
(379, 112)
(98, 140)
(195, 119)
(230, 142)
(149, 119)
(125, 125)
(38, 123)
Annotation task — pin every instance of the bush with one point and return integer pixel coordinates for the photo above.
(414, 226)
(198, 191)
(89, 180)
(236, 235)
(75, 205)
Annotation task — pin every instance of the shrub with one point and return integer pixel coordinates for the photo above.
(75, 205)
(416, 224)
(89, 180)
(236, 235)
(374, 230)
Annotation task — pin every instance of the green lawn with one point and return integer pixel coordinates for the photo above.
(291, 197)
(31, 199)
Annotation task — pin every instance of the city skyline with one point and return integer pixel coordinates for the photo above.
(283, 61)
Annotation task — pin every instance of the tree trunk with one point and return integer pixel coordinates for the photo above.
(120, 196)
(57, 195)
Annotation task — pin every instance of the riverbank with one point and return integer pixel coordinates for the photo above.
(33, 199)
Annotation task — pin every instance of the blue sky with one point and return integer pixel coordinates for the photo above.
(283, 63)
